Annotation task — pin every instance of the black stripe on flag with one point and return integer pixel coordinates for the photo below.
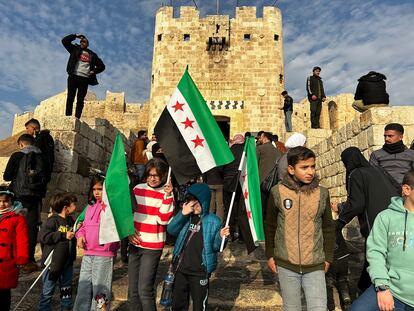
(179, 156)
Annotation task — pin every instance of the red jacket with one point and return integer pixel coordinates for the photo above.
(14, 248)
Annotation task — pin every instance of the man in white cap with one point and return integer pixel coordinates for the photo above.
(296, 140)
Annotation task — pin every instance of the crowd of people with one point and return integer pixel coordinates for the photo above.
(303, 243)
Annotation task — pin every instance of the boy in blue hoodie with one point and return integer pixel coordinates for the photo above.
(195, 253)
(390, 253)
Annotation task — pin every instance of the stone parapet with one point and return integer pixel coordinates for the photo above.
(365, 132)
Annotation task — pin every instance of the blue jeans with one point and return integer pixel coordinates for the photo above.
(139, 170)
(65, 285)
(288, 121)
(368, 302)
(313, 284)
(95, 283)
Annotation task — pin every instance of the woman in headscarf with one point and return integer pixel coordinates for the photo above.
(369, 192)
(296, 140)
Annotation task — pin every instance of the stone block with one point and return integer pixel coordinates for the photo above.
(66, 160)
(375, 134)
(62, 123)
(362, 140)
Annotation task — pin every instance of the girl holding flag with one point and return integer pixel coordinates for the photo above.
(95, 279)
(155, 205)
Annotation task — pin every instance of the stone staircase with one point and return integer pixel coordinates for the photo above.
(241, 282)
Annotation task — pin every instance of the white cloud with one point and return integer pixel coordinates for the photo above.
(8, 110)
(347, 45)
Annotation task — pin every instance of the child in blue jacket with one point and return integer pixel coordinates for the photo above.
(195, 253)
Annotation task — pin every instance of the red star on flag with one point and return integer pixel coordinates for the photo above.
(244, 177)
(188, 123)
(198, 142)
(246, 194)
(103, 206)
(249, 214)
(178, 106)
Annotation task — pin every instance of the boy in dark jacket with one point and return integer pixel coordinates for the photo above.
(83, 66)
(57, 235)
(299, 233)
(195, 254)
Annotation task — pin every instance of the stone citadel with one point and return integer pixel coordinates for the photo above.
(237, 63)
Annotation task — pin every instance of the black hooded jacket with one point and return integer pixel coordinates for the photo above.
(371, 89)
(369, 190)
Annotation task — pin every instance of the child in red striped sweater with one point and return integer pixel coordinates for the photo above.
(155, 205)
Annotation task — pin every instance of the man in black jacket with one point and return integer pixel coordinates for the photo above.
(83, 66)
(370, 92)
(288, 110)
(44, 141)
(316, 95)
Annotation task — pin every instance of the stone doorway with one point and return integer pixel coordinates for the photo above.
(224, 125)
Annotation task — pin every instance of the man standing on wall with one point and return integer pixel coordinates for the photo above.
(288, 110)
(316, 95)
(83, 66)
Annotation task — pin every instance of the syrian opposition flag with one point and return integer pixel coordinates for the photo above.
(189, 135)
(250, 219)
(117, 221)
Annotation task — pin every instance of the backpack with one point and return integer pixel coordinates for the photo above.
(30, 177)
(271, 179)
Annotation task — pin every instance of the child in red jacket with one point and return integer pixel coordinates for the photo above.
(14, 246)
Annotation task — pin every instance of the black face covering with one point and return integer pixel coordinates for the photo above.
(395, 147)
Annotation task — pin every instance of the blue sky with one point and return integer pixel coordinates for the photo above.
(347, 38)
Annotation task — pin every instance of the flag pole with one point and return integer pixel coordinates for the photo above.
(233, 195)
(168, 180)
(48, 261)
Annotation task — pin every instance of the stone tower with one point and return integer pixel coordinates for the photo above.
(237, 63)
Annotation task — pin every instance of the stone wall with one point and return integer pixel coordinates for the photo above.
(336, 112)
(247, 67)
(124, 116)
(365, 132)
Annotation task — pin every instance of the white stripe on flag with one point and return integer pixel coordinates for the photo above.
(107, 227)
(244, 182)
(202, 154)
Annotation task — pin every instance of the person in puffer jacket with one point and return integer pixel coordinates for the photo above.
(195, 254)
(14, 246)
(95, 279)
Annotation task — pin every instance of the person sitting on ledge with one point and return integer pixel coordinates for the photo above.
(370, 92)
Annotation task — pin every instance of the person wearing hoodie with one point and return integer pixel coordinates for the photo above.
(394, 157)
(390, 253)
(199, 235)
(299, 233)
(14, 249)
(369, 192)
(370, 92)
(30, 199)
(94, 289)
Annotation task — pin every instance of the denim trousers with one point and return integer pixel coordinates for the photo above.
(368, 302)
(95, 283)
(65, 285)
(313, 284)
(139, 170)
(142, 270)
(288, 121)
